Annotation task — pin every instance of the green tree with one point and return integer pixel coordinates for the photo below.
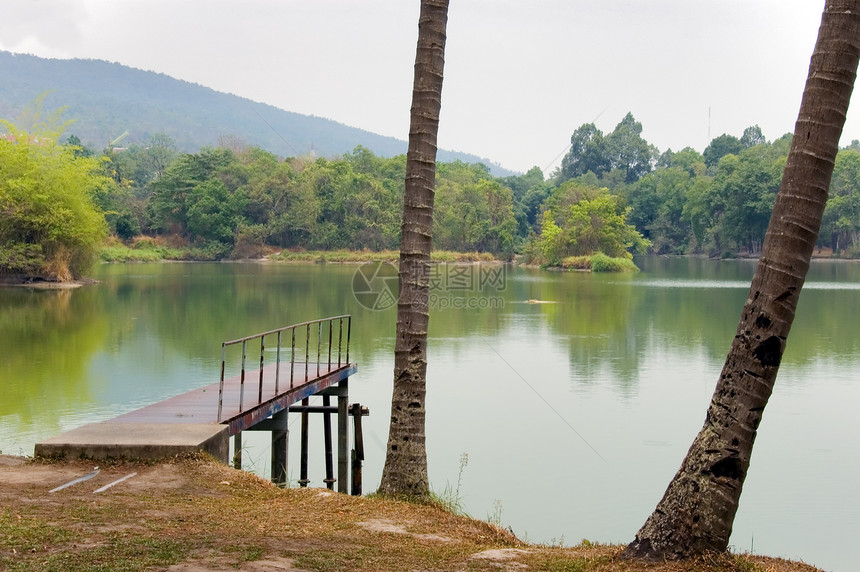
(472, 211)
(160, 153)
(743, 190)
(78, 147)
(214, 212)
(126, 226)
(698, 508)
(529, 191)
(530, 206)
(405, 470)
(698, 213)
(520, 184)
(370, 194)
(752, 136)
(169, 202)
(730, 210)
(656, 203)
(588, 152)
(356, 210)
(721, 146)
(137, 165)
(256, 172)
(687, 159)
(628, 151)
(580, 221)
(294, 207)
(50, 225)
(840, 227)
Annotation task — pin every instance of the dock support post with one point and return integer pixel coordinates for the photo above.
(237, 451)
(342, 430)
(358, 451)
(280, 442)
(303, 449)
(329, 461)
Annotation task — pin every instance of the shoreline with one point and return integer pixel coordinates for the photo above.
(19, 281)
(350, 258)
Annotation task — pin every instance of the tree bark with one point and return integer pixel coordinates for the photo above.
(405, 471)
(699, 506)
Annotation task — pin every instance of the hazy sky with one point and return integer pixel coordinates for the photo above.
(520, 75)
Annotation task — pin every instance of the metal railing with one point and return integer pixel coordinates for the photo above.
(342, 354)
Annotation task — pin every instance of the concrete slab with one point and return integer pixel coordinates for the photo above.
(138, 441)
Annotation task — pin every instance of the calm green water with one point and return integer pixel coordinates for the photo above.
(574, 414)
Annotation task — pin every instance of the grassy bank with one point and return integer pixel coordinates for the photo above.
(157, 250)
(359, 256)
(146, 249)
(200, 515)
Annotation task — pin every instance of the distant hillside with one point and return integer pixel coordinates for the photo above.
(108, 99)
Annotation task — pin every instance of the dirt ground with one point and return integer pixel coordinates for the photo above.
(193, 514)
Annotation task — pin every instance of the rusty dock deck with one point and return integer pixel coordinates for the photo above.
(257, 399)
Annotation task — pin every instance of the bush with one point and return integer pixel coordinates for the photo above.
(209, 252)
(21, 259)
(127, 226)
(531, 252)
(125, 254)
(602, 263)
(142, 249)
(46, 200)
(452, 256)
(577, 263)
(144, 243)
(250, 242)
(853, 251)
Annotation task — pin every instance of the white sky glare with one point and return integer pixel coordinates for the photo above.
(520, 75)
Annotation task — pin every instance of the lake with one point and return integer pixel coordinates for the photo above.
(563, 420)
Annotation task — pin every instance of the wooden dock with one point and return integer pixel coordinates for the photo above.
(201, 405)
(257, 399)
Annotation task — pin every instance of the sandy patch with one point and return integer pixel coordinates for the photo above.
(222, 564)
(502, 557)
(500, 554)
(377, 525)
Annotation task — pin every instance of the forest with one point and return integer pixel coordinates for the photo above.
(235, 201)
(614, 194)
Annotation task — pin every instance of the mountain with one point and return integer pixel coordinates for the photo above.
(108, 99)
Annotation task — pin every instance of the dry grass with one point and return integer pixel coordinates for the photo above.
(195, 514)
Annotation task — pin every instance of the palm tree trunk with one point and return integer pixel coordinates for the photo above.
(698, 509)
(405, 471)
